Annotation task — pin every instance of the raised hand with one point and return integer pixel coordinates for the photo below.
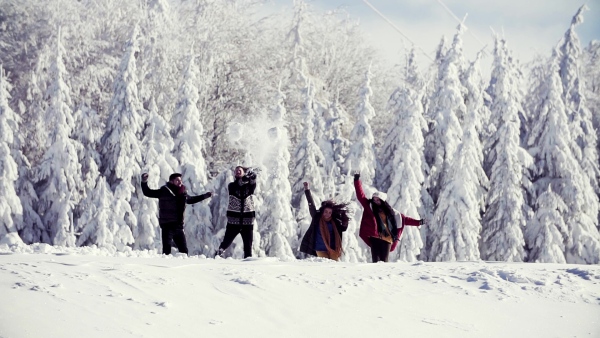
(145, 177)
(356, 175)
(306, 186)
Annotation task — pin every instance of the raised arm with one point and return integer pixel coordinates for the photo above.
(199, 198)
(146, 190)
(309, 198)
(360, 194)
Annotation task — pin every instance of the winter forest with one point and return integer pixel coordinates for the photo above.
(94, 93)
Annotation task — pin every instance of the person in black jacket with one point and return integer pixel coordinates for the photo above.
(240, 210)
(172, 199)
(324, 235)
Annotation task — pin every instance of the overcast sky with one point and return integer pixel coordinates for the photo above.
(530, 26)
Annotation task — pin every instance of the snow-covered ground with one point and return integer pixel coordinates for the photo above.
(47, 291)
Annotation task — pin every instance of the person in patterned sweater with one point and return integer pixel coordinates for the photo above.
(240, 210)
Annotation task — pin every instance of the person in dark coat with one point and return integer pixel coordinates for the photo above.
(324, 235)
(172, 200)
(381, 225)
(240, 210)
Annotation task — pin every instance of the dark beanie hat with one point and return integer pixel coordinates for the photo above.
(174, 175)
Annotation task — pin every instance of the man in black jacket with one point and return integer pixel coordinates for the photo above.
(172, 199)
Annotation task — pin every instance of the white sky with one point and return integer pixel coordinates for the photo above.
(530, 26)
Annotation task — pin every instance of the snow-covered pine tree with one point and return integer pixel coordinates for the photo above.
(121, 146)
(405, 166)
(340, 145)
(552, 147)
(307, 162)
(505, 215)
(59, 173)
(218, 205)
(96, 225)
(361, 156)
(413, 83)
(574, 97)
(544, 233)
(11, 211)
(446, 104)
(158, 163)
(457, 220)
(278, 226)
(87, 133)
(188, 135)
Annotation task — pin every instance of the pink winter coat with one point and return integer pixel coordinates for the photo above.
(368, 224)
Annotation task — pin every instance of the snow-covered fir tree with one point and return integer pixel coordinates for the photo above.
(405, 165)
(96, 225)
(457, 220)
(414, 85)
(278, 226)
(574, 98)
(158, 163)
(11, 211)
(361, 157)
(505, 215)
(340, 145)
(188, 135)
(59, 173)
(121, 146)
(544, 233)
(551, 146)
(308, 161)
(445, 132)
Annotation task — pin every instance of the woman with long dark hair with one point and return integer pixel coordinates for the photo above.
(381, 225)
(324, 235)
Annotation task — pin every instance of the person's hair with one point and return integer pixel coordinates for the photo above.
(245, 169)
(339, 210)
(174, 175)
(385, 206)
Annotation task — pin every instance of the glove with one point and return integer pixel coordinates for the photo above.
(208, 194)
(356, 177)
(251, 174)
(421, 221)
(145, 177)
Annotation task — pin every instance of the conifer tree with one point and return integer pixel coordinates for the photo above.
(59, 174)
(575, 100)
(361, 157)
(11, 210)
(278, 234)
(406, 175)
(189, 151)
(121, 150)
(544, 233)
(551, 146)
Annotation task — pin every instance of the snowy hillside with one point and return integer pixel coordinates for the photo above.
(85, 292)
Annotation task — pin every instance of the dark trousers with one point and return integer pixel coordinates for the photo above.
(380, 250)
(176, 235)
(232, 230)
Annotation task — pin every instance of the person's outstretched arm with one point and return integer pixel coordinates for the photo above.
(146, 190)
(360, 194)
(199, 198)
(309, 198)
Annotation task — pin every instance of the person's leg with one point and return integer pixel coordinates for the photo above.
(231, 231)
(166, 236)
(380, 250)
(180, 242)
(247, 237)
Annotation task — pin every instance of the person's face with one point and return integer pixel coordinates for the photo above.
(327, 213)
(238, 172)
(177, 181)
(377, 200)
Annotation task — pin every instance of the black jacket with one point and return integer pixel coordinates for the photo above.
(171, 204)
(308, 241)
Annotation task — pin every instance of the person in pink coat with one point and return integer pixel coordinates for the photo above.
(381, 225)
